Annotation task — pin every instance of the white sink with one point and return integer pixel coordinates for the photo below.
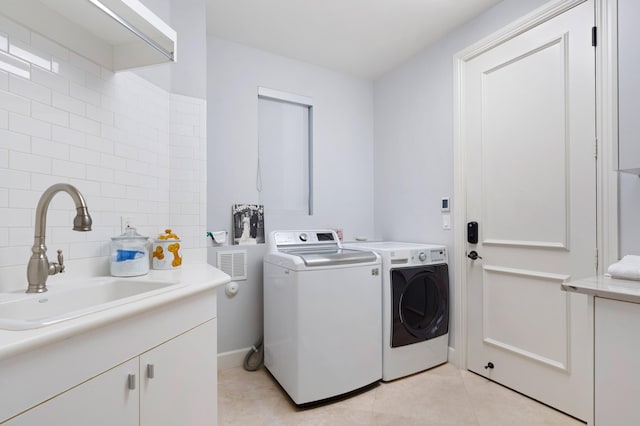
(71, 300)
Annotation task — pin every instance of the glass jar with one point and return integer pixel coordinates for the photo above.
(129, 254)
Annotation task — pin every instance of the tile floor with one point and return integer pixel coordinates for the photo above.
(441, 396)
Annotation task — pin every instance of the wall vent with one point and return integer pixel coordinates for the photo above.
(233, 263)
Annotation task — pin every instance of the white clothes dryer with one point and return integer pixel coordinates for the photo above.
(415, 306)
(322, 315)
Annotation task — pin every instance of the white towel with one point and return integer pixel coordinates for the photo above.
(627, 268)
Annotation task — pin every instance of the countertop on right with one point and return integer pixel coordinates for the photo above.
(607, 287)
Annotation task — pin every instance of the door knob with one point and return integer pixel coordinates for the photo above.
(489, 366)
(473, 255)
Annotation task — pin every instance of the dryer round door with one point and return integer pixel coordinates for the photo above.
(420, 303)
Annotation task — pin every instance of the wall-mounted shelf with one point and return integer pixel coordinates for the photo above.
(117, 34)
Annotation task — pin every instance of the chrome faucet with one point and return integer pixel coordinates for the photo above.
(39, 267)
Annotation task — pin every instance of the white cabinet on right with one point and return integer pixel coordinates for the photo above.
(628, 86)
(178, 380)
(617, 363)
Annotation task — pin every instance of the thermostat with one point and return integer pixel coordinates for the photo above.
(444, 204)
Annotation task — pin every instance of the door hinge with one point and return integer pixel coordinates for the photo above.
(595, 149)
(594, 36)
(597, 261)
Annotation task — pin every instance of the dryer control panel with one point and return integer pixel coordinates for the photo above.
(438, 255)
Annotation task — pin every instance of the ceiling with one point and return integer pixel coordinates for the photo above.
(365, 38)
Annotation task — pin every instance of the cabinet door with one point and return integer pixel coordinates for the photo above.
(617, 371)
(183, 389)
(105, 400)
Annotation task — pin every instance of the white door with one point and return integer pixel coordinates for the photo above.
(529, 146)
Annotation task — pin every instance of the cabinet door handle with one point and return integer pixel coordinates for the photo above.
(150, 371)
(131, 381)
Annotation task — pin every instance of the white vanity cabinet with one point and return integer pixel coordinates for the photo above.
(170, 385)
(628, 86)
(103, 400)
(617, 366)
(182, 390)
(80, 372)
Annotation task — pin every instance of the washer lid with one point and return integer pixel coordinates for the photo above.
(333, 257)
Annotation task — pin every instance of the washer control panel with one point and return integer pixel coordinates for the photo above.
(298, 238)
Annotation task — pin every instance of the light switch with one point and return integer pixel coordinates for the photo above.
(446, 221)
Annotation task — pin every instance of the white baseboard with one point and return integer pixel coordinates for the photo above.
(453, 357)
(232, 359)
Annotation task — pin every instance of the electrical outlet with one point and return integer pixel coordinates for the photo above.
(126, 222)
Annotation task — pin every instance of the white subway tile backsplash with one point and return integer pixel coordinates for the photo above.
(14, 179)
(15, 255)
(49, 114)
(21, 235)
(4, 232)
(99, 144)
(84, 64)
(112, 162)
(99, 84)
(29, 126)
(15, 217)
(28, 89)
(69, 169)
(14, 141)
(183, 129)
(55, 82)
(14, 29)
(125, 151)
(29, 162)
(23, 199)
(15, 103)
(49, 148)
(66, 70)
(4, 80)
(84, 125)
(30, 54)
(68, 136)
(89, 249)
(43, 44)
(80, 92)
(129, 146)
(99, 114)
(109, 189)
(4, 41)
(84, 156)
(14, 65)
(40, 181)
(67, 103)
(100, 174)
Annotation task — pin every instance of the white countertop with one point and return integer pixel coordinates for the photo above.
(607, 287)
(195, 277)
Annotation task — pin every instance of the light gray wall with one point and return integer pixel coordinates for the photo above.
(158, 75)
(342, 166)
(189, 73)
(414, 134)
(628, 208)
(187, 76)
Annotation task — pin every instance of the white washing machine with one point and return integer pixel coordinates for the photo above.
(322, 315)
(415, 306)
